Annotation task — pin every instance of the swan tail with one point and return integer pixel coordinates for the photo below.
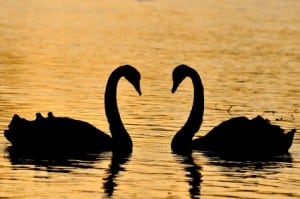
(289, 138)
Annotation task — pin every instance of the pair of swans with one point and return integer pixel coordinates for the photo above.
(62, 134)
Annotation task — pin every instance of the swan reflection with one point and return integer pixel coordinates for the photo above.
(116, 165)
(235, 165)
(63, 164)
(193, 174)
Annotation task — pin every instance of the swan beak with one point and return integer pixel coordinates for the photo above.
(138, 89)
(174, 88)
(176, 83)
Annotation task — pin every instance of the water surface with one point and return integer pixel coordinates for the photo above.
(57, 55)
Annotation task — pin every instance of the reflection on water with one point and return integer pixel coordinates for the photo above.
(193, 172)
(56, 56)
(258, 165)
(234, 169)
(114, 168)
(62, 164)
(246, 176)
(76, 161)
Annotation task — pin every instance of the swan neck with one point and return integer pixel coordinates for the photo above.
(182, 141)
(119, 134)
(196, 115)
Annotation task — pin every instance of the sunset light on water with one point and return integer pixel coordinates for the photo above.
(56, 56)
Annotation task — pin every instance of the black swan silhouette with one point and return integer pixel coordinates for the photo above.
(55, 135)
(237, 136)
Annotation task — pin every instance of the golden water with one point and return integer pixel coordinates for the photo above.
(57, 55)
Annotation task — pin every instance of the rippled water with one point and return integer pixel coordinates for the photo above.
(57, 55)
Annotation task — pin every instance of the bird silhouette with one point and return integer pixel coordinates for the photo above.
(239, 136)
(64, 135)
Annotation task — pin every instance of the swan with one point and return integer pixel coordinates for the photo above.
(67, 135)
(236, 136)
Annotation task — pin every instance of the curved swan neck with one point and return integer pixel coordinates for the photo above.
(195, 118)
(182, 141)
(121, 139)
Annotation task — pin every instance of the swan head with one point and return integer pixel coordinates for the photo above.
(179, 73)
(133, 76)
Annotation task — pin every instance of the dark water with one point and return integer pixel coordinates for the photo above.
(57, 55)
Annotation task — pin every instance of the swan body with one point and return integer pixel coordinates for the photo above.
(54, 135)
(249, 137)
(237, 136)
